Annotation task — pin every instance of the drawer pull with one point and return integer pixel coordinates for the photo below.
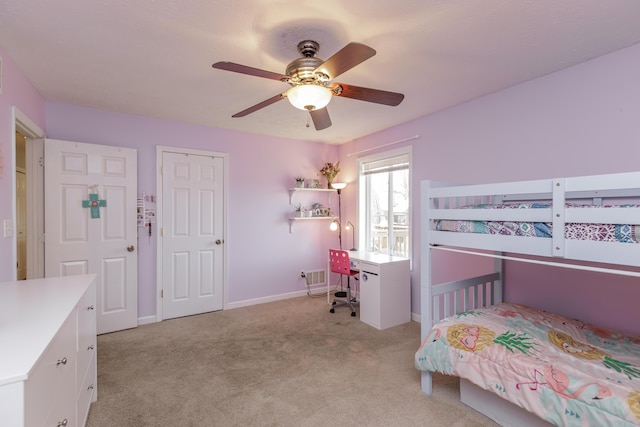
(91, 347)
(91, 307)
(62, 361)
(63, 423)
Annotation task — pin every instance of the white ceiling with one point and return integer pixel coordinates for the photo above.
(154, 57)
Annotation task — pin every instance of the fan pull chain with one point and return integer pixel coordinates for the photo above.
(308, 116)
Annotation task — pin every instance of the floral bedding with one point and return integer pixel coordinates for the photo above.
(565, 371)
(623, 233)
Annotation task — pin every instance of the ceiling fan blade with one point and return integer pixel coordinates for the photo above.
(345, 59)
(321, 119)
(257, 107)
(369, 95)
(243, 69)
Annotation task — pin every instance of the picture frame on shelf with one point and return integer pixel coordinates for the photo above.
(313, 183)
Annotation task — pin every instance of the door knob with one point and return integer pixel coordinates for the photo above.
(130, 248)
(219, 242)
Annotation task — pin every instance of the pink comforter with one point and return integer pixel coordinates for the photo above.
(565, 371)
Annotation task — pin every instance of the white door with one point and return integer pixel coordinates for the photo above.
(191, 234)
(35, 208)
(90, 224)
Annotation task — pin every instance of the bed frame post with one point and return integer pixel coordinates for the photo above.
(498, 264)
(425, 278)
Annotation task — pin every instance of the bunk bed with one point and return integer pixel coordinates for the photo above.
(519, 365)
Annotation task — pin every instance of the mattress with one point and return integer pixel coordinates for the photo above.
(622, 233)
(565, 371)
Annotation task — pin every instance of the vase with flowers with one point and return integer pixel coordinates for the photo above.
(329, 171)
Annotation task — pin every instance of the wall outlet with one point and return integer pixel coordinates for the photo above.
(8, 228)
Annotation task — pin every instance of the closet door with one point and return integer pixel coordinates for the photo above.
(192, 234)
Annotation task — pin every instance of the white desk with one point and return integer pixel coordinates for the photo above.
(385, 288)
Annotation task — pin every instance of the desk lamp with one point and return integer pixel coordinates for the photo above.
(353, 234)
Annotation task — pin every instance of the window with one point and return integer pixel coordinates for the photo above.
(384, 203)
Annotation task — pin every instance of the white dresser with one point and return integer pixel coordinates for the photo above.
(48, 358)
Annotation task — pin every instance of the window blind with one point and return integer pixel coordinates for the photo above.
(389, 164)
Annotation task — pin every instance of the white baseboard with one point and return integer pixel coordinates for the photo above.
(319, 289)
(146, 320)
(279, 297)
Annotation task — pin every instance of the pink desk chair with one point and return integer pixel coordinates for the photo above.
(339, 263)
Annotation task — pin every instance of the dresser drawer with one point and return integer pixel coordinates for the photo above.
(86, 333)
(370, 268)
(53, 379)
(87, 393)
(62, 414)
(87, 318)
(86, 356)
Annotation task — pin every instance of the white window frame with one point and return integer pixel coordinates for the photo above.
(363, 195)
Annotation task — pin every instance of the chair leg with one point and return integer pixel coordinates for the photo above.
(349, 301)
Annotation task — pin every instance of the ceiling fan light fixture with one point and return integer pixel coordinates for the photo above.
(309, 97)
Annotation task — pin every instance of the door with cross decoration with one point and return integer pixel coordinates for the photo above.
(90, 224)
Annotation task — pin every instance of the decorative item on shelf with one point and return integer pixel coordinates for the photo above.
(299, 182)
(322, 211)
(353, 234)
(299, 211)
(329, 171)
(313, 183)
(319, 210)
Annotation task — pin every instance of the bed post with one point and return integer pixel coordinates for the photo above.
(498, 264)
(425, 277)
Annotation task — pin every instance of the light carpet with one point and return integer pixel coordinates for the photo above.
(286, 363)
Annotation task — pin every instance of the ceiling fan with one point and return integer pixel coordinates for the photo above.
(311, 83)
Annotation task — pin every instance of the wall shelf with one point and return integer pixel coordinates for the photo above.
(317, 190)
(327, 191)
(309, 218)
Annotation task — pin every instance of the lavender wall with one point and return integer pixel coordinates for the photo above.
(263, 258)
(16, 91)
(580, 121)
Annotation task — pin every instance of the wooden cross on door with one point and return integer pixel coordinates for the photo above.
(94, 204)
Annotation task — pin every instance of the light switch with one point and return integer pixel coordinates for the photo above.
(8, 228)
